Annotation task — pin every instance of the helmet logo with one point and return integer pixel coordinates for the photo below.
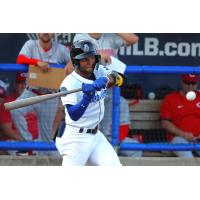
(86, 48)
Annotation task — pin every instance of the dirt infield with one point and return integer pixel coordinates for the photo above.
(56, 161)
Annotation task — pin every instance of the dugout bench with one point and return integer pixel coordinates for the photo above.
(145, 122)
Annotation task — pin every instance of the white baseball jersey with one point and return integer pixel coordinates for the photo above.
(79, 148)
(58, 54)
(108, 43)
(95, 111)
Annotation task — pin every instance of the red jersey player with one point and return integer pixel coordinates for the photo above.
(181, 117)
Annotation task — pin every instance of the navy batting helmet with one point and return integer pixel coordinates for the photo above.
(82, 49)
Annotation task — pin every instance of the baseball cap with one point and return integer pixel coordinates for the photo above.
(190, 78)
(21, 77)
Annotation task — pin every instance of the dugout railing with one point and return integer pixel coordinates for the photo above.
(115, 114)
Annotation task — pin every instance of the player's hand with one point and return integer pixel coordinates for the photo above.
(105, 59)
(88, 90)
(115, 78)
(100, 83)
(43, 66)
(197, 139)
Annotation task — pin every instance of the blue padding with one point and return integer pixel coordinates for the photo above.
(45, 146)
(115, 115)
(13, 67)
(23, 146)
(160, 147)
(130, 69)
(162, 69)
(56, 65)
(17, 67)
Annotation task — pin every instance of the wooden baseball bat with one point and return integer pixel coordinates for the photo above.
(38, 99)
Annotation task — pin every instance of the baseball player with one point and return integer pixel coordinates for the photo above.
(7, 126)
(40, 53)
(181, 117)
(107, 45)
(82, 142)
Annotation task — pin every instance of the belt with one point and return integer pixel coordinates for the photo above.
(81, 130)
(91, 131)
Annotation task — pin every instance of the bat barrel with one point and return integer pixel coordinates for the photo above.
(38, 99)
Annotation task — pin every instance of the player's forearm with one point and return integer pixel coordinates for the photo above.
(76, 111)
(8, 132)
(22, 59)
(130, 38)
(171, 128)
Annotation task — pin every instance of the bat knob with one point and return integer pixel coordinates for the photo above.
(63, 89)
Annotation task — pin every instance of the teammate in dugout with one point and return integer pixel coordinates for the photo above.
(40, 53)
(82, 142)
(181, 117)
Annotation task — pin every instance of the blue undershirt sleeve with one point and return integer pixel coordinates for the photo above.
(77, 111)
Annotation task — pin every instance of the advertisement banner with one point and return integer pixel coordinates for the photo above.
(170, 49)
(180, 49)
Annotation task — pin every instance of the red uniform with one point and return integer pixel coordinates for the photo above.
(5, 117)
(182, 113)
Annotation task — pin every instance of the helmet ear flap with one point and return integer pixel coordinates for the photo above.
(75, 63)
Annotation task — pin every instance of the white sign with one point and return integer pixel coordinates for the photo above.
(116, 65)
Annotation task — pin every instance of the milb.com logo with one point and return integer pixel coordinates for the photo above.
(151, 47)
